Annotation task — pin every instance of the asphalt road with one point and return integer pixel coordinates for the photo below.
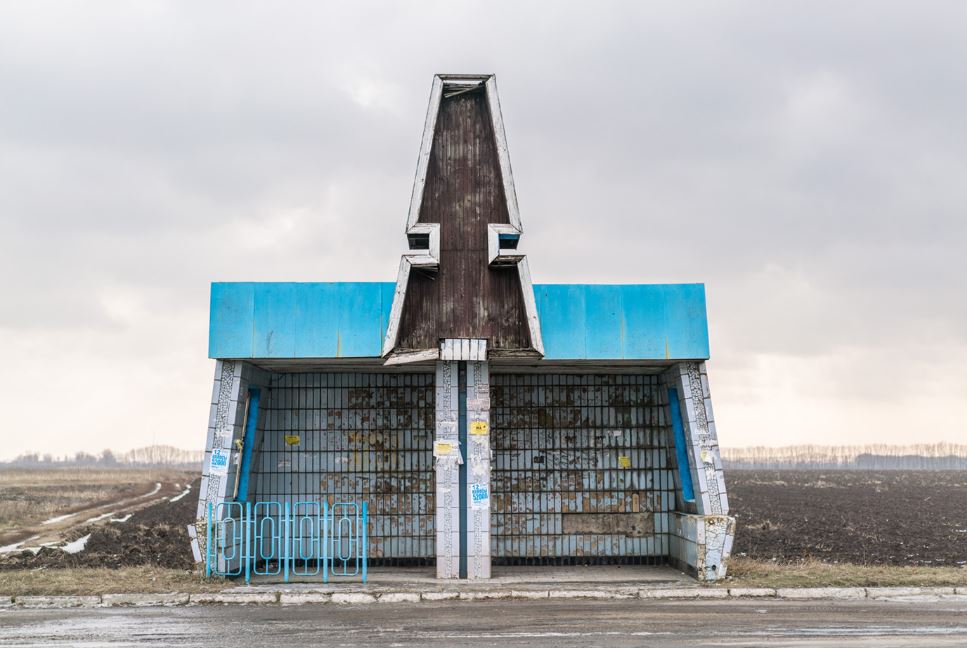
(611, 624)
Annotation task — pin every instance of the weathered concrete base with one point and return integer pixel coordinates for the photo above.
(243, 598)
(353, 597)
(752, 592)
(57, 601)
(821, 592)
(684, 593)
(700, 544)
(302, 598)
(143, 600)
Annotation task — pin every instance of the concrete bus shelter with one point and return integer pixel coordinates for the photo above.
(484, 419)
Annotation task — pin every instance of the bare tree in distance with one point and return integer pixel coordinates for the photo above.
(878, 456)
(157, 456)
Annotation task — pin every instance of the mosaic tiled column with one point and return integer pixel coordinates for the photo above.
(226, 422)
(691, 381)
(447, 458)
(462, 357)
(702, 540)
(478, 473)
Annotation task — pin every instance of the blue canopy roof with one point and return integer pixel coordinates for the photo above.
(349, 319)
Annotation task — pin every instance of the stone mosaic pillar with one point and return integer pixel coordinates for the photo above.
(447, 456)
(226, 429)
(224, 413)
(691, 381)
(478, 473)
(224, 426)
(701, 541)
(467, 359)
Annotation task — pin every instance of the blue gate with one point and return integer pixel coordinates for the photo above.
(303, 539)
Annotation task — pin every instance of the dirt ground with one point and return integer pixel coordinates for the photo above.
(30, 496)
(154, 536)
(906, 519)
(884, 518)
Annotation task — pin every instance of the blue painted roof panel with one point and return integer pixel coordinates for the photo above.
(349, 320)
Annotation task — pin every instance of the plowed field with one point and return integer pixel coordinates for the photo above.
(883, 518)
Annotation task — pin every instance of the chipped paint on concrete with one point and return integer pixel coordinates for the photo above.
(703, 531)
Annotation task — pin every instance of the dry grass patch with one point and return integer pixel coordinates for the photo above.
(92, 581)
(29, 496)
(745, 572)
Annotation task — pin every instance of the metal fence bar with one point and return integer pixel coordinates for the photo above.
(307, 521)
(225, 551)
(325, 542)
(285, 545)
(263, 518)
(248, 542)
(365, 527)
(208, 543)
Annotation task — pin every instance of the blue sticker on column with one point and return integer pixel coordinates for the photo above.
(479, 496)
(219, 462)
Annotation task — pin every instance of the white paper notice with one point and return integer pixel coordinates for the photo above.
(479, 496)
(219, 462)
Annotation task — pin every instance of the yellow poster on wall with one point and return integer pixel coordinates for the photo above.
(444, 448)
(292, 439)
(479, 427)
(624, 462)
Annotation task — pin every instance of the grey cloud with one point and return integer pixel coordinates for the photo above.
(806, 160)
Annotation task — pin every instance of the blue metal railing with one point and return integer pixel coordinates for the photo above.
(303, 539)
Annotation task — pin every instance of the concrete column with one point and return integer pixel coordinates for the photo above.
(224, 426)
(691, 381)
(462, 458)
(447, 457)
(478, 473)
(701, 542)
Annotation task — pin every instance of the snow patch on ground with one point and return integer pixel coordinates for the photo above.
(181, 494)
(59, 518)
(98, 518)
(122, 520)
(77, 546)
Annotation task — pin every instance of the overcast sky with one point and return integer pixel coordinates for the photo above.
(806, 161)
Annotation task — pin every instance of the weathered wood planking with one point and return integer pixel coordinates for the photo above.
(464, 192)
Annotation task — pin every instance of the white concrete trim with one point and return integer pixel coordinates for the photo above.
(495, 255)
(423, 161)
(503, 156)
(393, 327)
(530, 306)
(469, 349)
(430, 256)
(408, 357)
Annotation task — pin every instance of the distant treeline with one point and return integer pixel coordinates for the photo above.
(156, 456)
(925, 456)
